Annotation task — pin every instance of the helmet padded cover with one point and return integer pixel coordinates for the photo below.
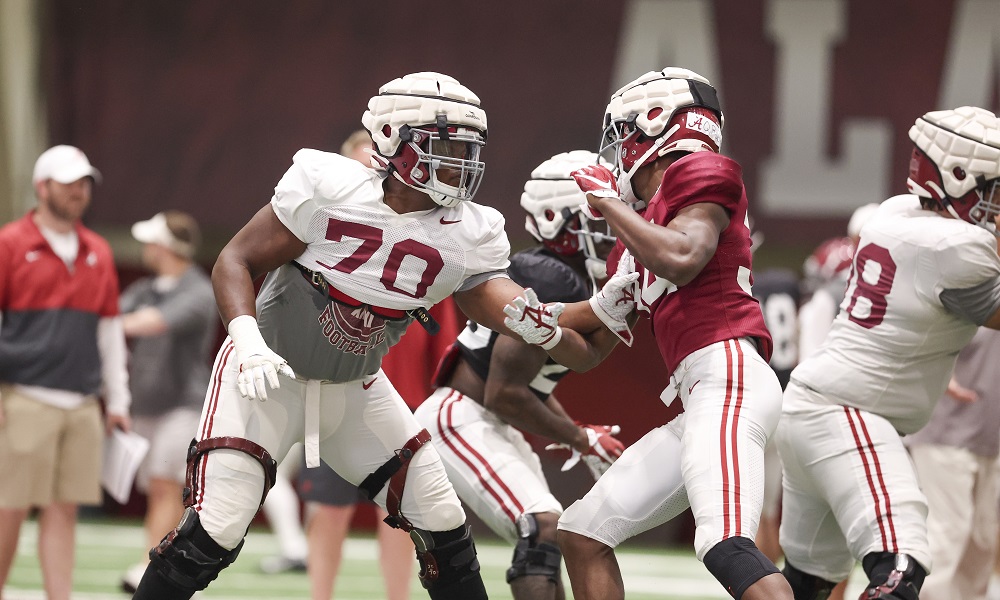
(417, 99)
(552, 188)
(967, 138)
(668, 90)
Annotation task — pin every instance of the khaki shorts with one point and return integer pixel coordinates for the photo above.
(49, 454)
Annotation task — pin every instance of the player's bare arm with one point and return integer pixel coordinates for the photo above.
(513, 365)
(484, 303)
(262, 245)
(580, 317)
(677, 252)
(613, 308)
(581, 352)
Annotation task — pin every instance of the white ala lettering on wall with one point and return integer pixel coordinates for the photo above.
(800, 178)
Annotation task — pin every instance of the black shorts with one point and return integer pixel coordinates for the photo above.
(322, 484)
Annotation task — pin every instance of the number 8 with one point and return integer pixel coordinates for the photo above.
(875, 293)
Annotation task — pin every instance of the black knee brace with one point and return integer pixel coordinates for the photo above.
(188, 558)
(449, 569)
(895, 576)
(530, 557)
(806, 586)
(737, 564)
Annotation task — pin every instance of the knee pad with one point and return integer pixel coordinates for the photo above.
(530, 557)
(737, 564)
(188, 557)
(449, 569)
(806, 586)
(196, 449)
(892, 576)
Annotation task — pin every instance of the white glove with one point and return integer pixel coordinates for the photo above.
(616, 300)
(536, 323)
(258, 363)
(603, 452)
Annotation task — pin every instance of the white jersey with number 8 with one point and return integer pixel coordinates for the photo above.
(893, 345)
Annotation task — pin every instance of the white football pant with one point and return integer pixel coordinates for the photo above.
(358, 429)
(493, 468)
(711, 457)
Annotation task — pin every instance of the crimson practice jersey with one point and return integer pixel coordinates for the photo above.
(716, 305)
(380, 264)
(553, 281)
(919, 287)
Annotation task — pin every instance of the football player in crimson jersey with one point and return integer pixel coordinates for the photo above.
(925, 275)
(353, 254)
(691, 255)
(491, 384)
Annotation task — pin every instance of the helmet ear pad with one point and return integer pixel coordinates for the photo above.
(405, 162)
(925, 178)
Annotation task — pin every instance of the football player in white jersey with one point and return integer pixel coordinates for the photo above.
(352, 254)
(925, 275)
(490, 384)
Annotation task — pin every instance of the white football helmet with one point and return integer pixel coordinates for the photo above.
(673, 110)
(423, 122)
(554, 204)
(956, 163)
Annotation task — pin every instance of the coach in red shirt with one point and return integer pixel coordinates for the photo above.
(61, 344)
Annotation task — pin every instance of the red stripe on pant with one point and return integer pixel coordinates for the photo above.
(449, 435)
(881, 483)
(724, 452)
(852, 414)
(738, 508)
(209, 422)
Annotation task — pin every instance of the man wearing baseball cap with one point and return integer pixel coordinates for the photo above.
(61, 345)
(170, 320)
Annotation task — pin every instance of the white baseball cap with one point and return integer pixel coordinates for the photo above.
(64, 164)
(157, 231)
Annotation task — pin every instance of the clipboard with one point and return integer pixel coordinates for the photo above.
(123, 453)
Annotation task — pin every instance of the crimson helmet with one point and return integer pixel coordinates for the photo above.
(423, 122)
(673, 110)
(956, 163)
(554, 204)
(830, 260)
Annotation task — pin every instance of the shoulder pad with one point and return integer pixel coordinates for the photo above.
(703, 177)
(551, 278)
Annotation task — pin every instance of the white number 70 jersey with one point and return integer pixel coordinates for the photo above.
(379, 264)
(893, 345)
(366, 250)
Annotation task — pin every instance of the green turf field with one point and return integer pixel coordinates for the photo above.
(105, 550)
